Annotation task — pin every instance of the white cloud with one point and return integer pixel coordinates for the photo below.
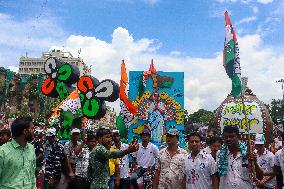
(246, 20)
(265, 1)
(13, 68)
(206, 83)
(255, 9)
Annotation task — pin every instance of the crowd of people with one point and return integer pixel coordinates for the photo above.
(33, 158)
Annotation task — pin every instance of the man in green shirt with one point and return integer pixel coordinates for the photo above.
(98, 170)
(17, 157)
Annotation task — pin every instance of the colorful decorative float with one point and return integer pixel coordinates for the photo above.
(82, 98)
(159, 98)
(231, 112)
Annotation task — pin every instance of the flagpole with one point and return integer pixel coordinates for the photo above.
(248, 131)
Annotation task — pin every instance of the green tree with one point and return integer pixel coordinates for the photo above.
(276, 109)
(203, 117)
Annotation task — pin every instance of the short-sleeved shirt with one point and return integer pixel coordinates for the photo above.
(238, 174)
(266, 161)
(145, 157)
(124, 162)
(54, 155)
(82, 162)
(113, 162)
(17, 166)
(279, 160)
(98, 170)
(171, 168)
(199, 171)
(69, 148)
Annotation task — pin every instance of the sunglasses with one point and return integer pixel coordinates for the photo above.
(171, 136)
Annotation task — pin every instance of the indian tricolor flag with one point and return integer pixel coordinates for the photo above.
(128, 110)
(231, 57)
(71, 103)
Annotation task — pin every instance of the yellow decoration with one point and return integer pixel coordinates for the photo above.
(164, 138)
(170, 100)
(138, 100)
(180, 113)
(177, 105)
(147, 94)
(164, 95)
(179, 120)
(138, 130)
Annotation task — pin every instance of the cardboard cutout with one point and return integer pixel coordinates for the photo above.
(160, 101)
(93, 95)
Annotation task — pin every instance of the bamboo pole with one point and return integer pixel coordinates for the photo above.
(248, 131)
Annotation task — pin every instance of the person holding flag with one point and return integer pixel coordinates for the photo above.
(237, 166)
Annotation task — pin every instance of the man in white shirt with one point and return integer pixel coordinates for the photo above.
(265, 159)
(199, 167)
(124, 161)
(232, 161)
(145, 158)
(169, 173)
(278, 169)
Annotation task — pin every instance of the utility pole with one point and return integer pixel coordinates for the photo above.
(282, 84)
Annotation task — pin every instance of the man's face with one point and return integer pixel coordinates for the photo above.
(145, 137)
(215, 146)
(50, 139)
(231, 139)
(106, 140)
(116, 137)
(92, 143)
(4, 137)
(259, 147)
(194, 143)
(172, 139)
(75, 137)
(29, 133)
(209, 134)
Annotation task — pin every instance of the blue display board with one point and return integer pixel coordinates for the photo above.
(160, 108)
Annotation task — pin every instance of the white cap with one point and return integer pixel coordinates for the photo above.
(51, 132)
(115, 131)
(75, 131)
(38, 131)
(259, 139)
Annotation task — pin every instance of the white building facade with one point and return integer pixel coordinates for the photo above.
(35, 66)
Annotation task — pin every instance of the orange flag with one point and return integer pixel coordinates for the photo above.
(123, 93)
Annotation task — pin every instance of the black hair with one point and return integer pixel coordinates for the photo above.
(194, 134)
(19, 125)
(282, 135)
(210, 130)
(91, 137)
(215, 139)
(231, 129)
(5, 132)
(101, 132)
